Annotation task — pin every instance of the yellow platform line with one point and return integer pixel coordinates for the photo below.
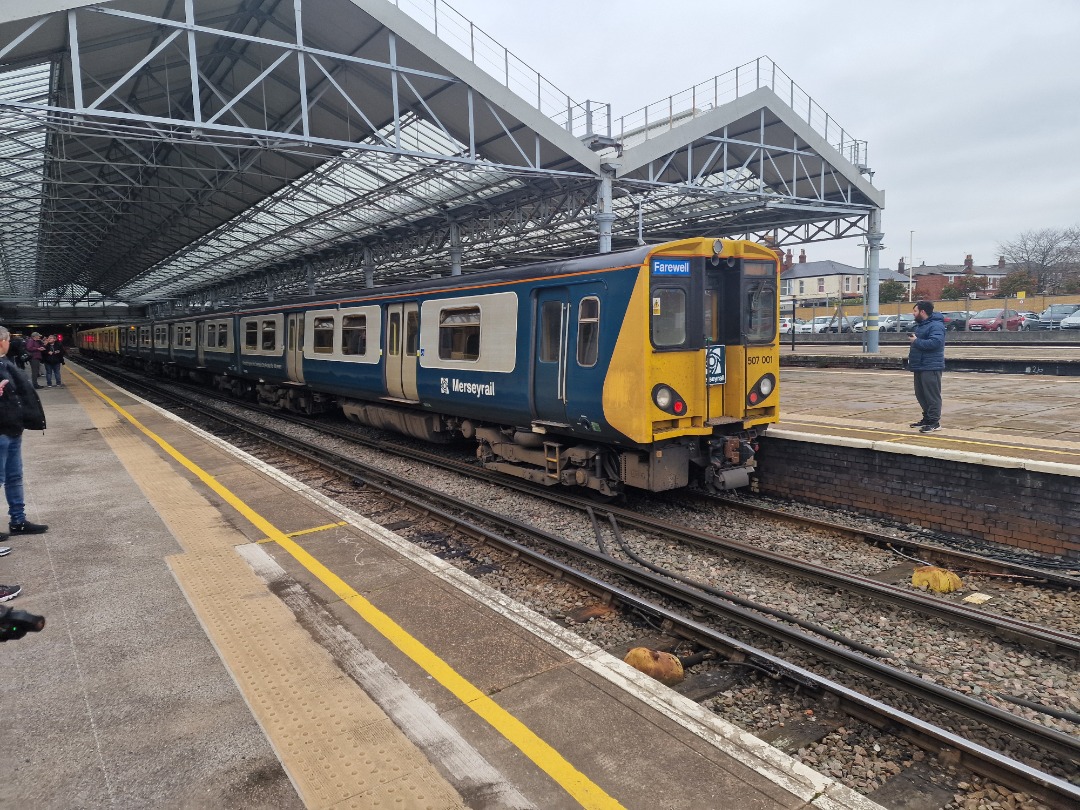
(586, 792)
(302, 532)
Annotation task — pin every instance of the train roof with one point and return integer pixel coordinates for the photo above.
(582, 264)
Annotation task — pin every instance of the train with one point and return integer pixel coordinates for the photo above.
(655, 368)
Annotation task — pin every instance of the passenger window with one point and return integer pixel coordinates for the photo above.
(550, 331)
(251, 335)
(588, 331)
(459, 334)
(354, 334)
(668, 317)
(269, 336)
(393, 337)
(211, 334)
(223, 335)
(324, 336)
(412, 333)
(187, 335)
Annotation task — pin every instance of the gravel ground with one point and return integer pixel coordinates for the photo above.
(968, 662)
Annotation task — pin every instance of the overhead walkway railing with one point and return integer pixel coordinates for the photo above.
(668, 113)
(448, 24)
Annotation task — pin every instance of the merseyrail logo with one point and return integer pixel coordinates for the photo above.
(446, 385)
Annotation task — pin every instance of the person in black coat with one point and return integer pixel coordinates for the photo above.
(20, 409)
(17, 352)
(52, 357)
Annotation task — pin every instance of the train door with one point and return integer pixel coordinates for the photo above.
(200, 342)
(294, 347)
(402, 347)
(550, 355)
(723, 335)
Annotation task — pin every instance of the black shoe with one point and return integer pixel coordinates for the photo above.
(929, 428)
(9, 592)
(920, 423)
(26, 527)
(39, 386)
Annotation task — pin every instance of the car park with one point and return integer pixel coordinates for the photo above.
(995, 320)
(1053, 315)
(1070, 321)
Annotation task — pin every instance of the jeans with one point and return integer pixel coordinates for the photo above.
(52, 370)
(928, 392)
(11, 473)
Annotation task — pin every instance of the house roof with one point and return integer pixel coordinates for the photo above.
(958, 270)
(831, 268)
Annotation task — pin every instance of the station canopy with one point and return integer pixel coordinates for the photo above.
(187, 153)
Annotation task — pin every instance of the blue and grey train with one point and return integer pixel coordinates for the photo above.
(653, 368)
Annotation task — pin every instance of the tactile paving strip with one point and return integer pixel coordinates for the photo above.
(338, 747)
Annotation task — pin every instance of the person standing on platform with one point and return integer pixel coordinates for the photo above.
(52, 355)
(20, 409)
(926, 358)
(33, 348)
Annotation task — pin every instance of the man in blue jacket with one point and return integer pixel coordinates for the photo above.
(927, 359)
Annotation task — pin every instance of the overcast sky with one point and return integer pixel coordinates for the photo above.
(971, 109)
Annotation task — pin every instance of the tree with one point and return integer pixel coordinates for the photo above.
(962, 286)
(1050, 255)
(889, 292)
(1017, 281)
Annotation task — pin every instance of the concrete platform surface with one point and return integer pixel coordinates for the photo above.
(985, 416)
(220, 635)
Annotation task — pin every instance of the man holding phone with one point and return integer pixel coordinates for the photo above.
(926, 358)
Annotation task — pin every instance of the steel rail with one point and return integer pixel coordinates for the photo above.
(1005, 627)
(907, 545)
(1039, 735)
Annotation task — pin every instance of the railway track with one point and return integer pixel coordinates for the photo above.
(430, 503)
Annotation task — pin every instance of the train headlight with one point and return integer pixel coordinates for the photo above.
(761, 390)
(668, 401)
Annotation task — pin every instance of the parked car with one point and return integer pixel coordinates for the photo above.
(1070, 321)
(956, 321)
(788, 323)
(857, 325)
(995, 320)
(1053, 315)
(829, 323)
(897, 323)
(1028, 318)
(804, 328)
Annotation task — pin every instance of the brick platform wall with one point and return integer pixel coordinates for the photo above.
(1016, 507)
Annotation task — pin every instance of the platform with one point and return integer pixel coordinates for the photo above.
(219, 635)
(1004, 468)
(1003, 416)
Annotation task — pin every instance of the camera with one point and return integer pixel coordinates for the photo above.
(17, 623)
